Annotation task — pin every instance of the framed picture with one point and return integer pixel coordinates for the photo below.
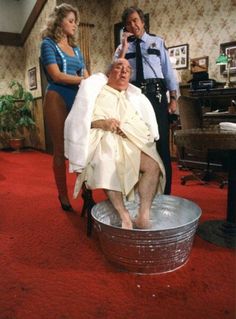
(229, 49)
(199, 64)
(118, 30)
(32, 79)
(180, 54)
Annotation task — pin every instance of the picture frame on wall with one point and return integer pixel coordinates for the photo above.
(32, 78)
(118, 30)
(199, 64)
(229, 48)
(180, 54)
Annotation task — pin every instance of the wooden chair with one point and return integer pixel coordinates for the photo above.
(190, 112)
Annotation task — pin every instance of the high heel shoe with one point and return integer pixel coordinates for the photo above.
(65, 207)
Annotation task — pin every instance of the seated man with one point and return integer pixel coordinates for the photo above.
(109, 140)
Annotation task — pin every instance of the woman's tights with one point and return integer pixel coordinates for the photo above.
(55, 114)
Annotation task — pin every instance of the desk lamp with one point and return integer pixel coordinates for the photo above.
(224, 59)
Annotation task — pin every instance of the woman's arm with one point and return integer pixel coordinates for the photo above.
(60, 77)
(48, 58)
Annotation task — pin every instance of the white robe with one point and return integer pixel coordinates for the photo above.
(106, 160)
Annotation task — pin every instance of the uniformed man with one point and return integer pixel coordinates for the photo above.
(154, 75)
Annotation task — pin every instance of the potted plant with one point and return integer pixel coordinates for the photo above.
(15, 115)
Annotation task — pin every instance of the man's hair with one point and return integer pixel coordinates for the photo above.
(128, 11)
(111, 66)
(53, 27)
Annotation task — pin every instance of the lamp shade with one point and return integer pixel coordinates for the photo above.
(222, 59)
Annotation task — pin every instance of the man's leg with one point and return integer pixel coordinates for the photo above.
(147, 188)
(162, 145)
(116, 199)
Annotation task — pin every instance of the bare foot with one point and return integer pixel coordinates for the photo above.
(126, 221)
(142, 223)
(127, 224)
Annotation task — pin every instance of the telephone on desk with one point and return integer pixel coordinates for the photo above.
(201, 81)
(201, 85)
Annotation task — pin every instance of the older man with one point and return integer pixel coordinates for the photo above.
(109, 140)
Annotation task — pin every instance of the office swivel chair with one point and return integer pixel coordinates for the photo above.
(202, 164)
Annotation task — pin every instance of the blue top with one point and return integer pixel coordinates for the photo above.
(52, 54)
(155, 57)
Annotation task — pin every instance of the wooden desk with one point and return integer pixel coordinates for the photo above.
(219, 232)
(217, 98)
(212, 119)
(229, 92)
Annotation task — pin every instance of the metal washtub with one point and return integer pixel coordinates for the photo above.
(164, 247)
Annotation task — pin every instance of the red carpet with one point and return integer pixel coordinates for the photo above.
(49, 269)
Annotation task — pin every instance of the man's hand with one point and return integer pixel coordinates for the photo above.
(172, 106)
(111, 125)
(124, 44)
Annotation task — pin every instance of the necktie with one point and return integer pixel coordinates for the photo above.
(139, 62)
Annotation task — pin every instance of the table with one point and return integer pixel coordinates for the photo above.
(219, 232)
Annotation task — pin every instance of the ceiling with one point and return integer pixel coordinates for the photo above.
(17, 18)
(14, 14)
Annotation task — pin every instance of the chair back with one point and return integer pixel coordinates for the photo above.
(190, 112)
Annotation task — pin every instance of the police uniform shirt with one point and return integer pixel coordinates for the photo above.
(155, 57)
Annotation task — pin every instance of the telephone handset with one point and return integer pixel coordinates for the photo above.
(131, 38)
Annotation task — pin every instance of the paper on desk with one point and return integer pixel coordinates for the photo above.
(212, 112)
(228, 126)
(216, 112)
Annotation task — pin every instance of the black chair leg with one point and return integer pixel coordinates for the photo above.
(87, 207)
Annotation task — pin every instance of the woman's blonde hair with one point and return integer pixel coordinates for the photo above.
(53, 27)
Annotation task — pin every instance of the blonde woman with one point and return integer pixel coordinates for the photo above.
(64, 67)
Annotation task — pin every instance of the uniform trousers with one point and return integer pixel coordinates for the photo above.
(163, 148)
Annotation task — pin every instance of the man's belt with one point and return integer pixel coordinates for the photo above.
(156, 86)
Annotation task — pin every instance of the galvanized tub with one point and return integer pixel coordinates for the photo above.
(164, 247)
